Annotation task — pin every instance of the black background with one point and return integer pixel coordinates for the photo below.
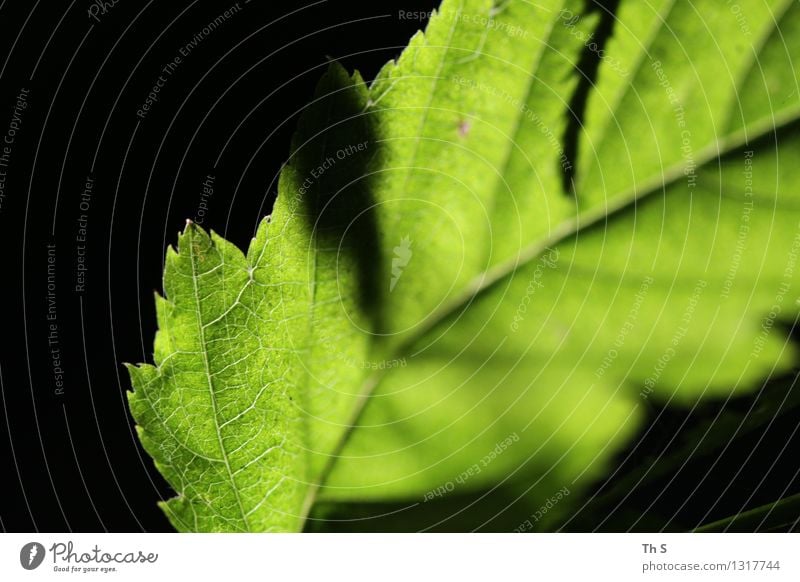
(71, 461)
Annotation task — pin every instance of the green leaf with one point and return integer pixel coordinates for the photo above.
(243, 382)
(778, 515)
(697, 438)
(429, 308)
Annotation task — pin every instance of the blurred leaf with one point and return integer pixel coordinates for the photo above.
(780, 515)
